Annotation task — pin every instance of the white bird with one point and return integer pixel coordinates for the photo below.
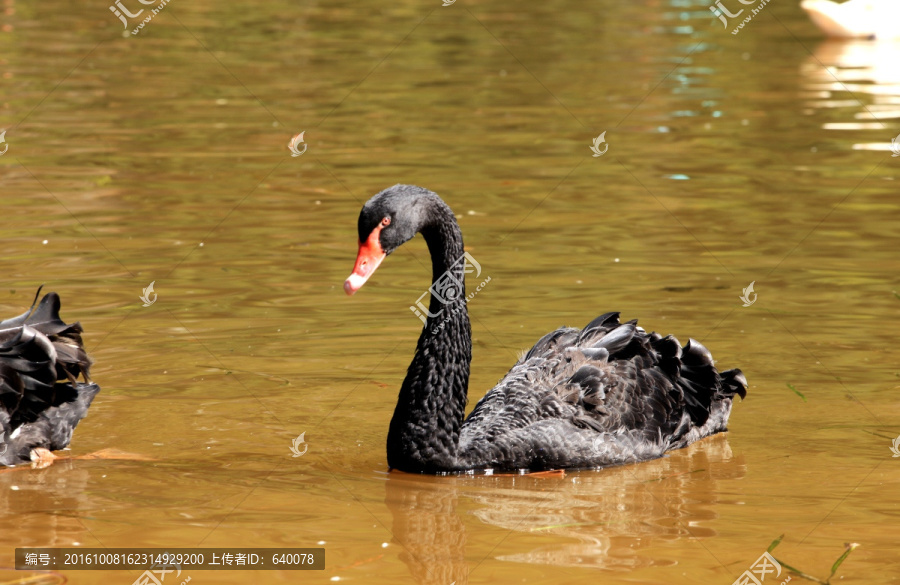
(856, 18)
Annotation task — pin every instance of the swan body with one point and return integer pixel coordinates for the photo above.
(856, 18)
(604, 395)
(41, 400)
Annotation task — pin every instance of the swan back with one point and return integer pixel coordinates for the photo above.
(606, 394)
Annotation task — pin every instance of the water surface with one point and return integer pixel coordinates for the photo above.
(759, 157)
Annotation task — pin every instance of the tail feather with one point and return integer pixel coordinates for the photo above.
(603, 323)
(39, 353)
(734, 382)
(72, 359)
(703, 385)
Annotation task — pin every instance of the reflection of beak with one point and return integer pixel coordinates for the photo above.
(369, 257)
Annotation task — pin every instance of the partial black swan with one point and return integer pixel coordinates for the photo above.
(41, 400)
(608, 394)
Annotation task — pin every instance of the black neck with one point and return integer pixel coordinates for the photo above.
(424, 431)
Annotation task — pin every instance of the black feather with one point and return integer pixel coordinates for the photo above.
(606, 394)
(41, 400)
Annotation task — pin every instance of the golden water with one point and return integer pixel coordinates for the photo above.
(732, 158)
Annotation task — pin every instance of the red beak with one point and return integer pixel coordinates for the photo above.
(369, 257)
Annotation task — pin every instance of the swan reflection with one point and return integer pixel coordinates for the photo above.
(606, 519)
(859, 76)
(43, 505)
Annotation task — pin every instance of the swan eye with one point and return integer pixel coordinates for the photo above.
(386, 221)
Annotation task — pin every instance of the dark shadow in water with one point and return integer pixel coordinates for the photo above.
(426, 525)
(602, 519)
(55, 495)
(44, 505)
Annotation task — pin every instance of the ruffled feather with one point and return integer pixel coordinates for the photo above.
(41, 399)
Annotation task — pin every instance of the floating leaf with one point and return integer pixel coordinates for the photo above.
(775, 543)
(851, 546)
(797, 392)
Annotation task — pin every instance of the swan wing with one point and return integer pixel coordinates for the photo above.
(609, 380)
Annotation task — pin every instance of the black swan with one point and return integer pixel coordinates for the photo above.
(41, 399)
(608, 394)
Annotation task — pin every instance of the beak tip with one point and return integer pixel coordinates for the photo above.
(348, 288)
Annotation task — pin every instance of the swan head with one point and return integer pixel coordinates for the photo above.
(387, 221)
